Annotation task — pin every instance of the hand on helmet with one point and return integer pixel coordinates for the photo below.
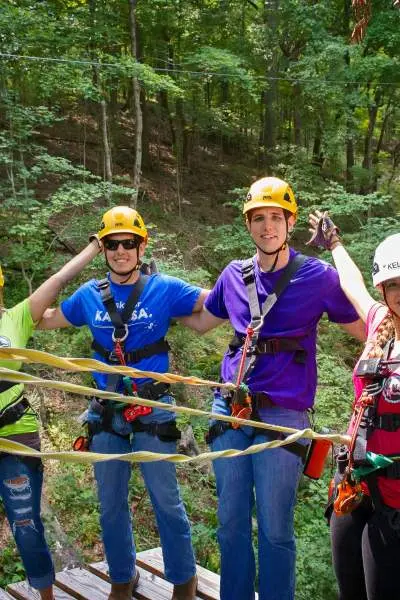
(95, 237)
(324, 233)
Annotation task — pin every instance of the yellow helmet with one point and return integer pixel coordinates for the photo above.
(122, 219)
(1, 278)
(270, 191)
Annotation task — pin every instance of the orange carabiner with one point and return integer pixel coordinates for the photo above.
(349, 496)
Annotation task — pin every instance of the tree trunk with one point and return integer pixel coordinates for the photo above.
(375, 156)
(318, 157)
(106, 144)
(297, 115)
(373, 108)
(137, 169)
(270, 93)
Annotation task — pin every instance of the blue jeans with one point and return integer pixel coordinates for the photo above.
(21, 488)
(115, 518)
(268, 480)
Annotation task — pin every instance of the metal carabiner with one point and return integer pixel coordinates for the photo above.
(120, 339)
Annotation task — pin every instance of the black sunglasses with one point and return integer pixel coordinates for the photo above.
(129, 244)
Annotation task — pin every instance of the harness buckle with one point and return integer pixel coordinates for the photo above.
(113, 358)
(122, 338)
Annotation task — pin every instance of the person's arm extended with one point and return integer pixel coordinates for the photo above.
(200, 300)
(350, 277)
(201, 321)
(352, 282)
(46, 294)
(356, 329)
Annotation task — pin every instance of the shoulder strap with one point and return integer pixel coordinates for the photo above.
(290, 270)
(249, 280)
(257, 315)
(119, 320)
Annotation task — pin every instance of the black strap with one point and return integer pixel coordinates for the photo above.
(273, 346)
(166, 432)
(120, 320)
(132, 356)
(392, 471)
(6, 385)
(13, 412)
(387, 421)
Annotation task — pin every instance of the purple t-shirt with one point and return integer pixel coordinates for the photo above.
(313, 290)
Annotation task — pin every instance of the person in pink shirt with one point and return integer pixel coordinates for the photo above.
(366, 540)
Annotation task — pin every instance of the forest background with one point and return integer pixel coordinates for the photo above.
(175, 107)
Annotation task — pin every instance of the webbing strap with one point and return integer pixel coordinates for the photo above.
(6, 385)
(13, 411)
(257, 315)
(119, 320)
(134, 355)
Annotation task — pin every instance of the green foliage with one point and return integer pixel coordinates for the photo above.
(11, 568)
(73, 494)
(314, 577)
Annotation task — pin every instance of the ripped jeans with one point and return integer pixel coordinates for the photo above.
(20, 489)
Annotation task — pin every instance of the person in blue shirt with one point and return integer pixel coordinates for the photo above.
(136, 338)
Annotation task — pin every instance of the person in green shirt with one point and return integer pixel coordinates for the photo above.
(21, 477)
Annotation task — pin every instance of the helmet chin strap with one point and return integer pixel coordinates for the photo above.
(277, 251)
(129, 273)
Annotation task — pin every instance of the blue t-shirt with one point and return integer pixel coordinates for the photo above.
(162, 299)
(312, 291)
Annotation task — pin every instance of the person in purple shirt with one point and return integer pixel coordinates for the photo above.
(282, 383)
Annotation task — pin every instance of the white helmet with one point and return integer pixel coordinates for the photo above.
(387, 260)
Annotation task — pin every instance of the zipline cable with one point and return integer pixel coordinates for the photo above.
(293, 80)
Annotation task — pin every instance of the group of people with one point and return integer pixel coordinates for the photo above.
(274, 302)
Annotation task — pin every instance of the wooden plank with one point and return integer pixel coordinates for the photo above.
(208, 586)
(150, 586)
(83, 585)
(209, 582)
(23, 591)
(151, 561)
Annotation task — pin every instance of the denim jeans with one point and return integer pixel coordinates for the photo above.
(160, 478)
(268, 480)
(20, 488)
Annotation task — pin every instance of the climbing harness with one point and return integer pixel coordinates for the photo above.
(12, 412)
(106, 410)
(357, 463)
(244, 403)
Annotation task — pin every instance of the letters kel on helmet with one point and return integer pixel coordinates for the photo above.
(270, 191)
(122, 219)
(387, 260)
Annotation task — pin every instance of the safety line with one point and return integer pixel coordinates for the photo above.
(28, 355)
(167, 70)
(12, 447)
(23, 378)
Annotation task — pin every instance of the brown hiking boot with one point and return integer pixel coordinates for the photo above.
(185, 591)
(123, 591)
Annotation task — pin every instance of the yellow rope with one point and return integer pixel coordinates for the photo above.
(79, 365)
(90, 364)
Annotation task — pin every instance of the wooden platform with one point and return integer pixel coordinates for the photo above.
(93, 582)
